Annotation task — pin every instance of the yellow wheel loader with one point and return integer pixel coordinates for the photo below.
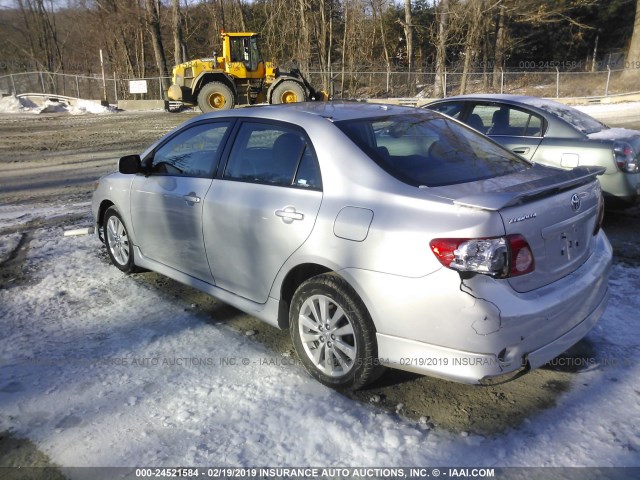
(238, 77)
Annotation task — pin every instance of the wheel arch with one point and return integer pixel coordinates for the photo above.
(102, 209)
(293, 279)
(208, 77)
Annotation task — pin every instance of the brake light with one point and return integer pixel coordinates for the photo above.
(625, 157)
(499, 257)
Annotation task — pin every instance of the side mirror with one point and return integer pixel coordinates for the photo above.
(130, 164)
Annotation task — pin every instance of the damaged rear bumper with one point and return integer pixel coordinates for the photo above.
(469, 367)
(476, 329)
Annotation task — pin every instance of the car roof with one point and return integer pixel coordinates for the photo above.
(517, 99)
(335, 111)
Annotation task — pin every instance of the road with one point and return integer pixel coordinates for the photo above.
(53, 159)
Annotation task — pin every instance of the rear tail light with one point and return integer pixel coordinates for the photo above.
(625, 157)
(499, 257)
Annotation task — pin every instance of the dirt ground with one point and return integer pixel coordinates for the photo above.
(55, 158)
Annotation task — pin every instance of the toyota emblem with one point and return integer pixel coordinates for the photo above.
(575, 202)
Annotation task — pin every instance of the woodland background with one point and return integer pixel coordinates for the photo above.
(143, 38)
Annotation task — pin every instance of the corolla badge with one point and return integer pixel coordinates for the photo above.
(522, 218)
(575, 202)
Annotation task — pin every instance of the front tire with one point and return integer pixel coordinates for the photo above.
(116, 238)
(333, 334)
(288, 91)
(215, 96)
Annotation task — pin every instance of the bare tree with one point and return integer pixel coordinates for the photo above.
(500, 45)
(179, 47)
(442, 16)
(475, 13)
(153, 21)
(376, 8)
(41, 34)
(408, 35)
(633, 53)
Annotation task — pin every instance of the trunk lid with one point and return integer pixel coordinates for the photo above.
(555, 210)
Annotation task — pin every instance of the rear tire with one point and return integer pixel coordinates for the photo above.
(333, 334)
(116, 238)
(215, 96)
(288, 91)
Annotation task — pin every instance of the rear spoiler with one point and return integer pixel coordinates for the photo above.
(558, 181)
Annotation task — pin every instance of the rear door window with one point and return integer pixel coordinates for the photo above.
(274, 155)
(423, 149)
(498, 119)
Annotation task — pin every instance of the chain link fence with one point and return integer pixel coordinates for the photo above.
(83, 86)
(550, 84)
(347, 85)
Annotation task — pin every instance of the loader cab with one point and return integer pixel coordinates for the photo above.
(242, 55)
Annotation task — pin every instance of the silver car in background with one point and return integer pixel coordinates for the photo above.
(378, 235)
(550, 133)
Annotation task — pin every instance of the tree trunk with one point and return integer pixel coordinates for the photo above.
(633, 53)
(408, 33)
(153, 20)
(179, 48)
(441, 49)
(501, 45)
(472, 42)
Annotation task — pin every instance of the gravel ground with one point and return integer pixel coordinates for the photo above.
(55, 158)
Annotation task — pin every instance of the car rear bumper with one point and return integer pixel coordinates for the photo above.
(622, 187)
(469, 367)
(470, 330)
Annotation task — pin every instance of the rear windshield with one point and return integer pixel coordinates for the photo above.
(431, 151)
(579, 120)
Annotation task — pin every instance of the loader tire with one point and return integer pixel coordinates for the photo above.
(215, 96)
(289, 91)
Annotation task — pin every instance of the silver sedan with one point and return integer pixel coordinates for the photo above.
(548, 132)
(379, 236)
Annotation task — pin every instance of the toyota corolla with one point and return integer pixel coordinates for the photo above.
(380, 236)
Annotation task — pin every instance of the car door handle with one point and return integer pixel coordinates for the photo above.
(191, 198)
(521, 150)
(289, 214)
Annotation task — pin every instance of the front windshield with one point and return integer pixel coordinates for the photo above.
(426, 150)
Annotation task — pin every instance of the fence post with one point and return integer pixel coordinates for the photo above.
(115, 87)
(606, 90)
(501, 80)
(77, 88)
(557, 83)
(15, 92)
(444, 84)
(160, 87)
(42, 82)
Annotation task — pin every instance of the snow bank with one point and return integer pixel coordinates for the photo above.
(13, 104)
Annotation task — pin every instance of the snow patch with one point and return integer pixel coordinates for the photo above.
(614, 134)
(13, 104)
